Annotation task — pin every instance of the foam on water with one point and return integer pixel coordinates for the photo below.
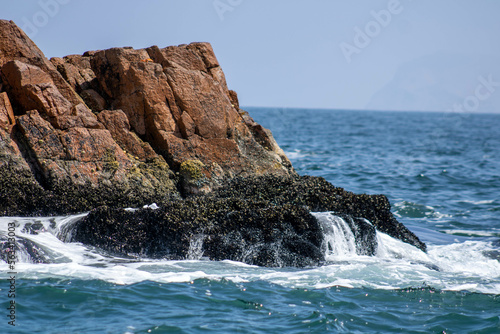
(471, 265)
(472, 233)
(491, 201)
(297, 154)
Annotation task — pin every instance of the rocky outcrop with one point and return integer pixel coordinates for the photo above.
(123, 127)
(151, 123)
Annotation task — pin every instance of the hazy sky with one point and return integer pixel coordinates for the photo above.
(342, 54)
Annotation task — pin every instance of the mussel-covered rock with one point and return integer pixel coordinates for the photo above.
(249, 231)
(264, 221)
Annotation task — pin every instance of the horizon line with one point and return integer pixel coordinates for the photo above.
(374, 110)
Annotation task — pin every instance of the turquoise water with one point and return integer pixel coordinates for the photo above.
(441, 173)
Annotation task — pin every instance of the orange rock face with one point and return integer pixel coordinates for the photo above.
(6, 112)
(49, 126)
(127, 116)
(9, 151)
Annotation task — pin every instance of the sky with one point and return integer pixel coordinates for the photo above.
(425, 55)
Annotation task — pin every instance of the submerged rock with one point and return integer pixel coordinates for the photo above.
(24, 249)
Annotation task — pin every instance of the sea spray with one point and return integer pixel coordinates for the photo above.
(195, 251)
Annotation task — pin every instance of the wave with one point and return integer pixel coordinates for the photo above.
(298, 154)
(414, 210)
(473, 233)
(491, 201)
(468, 265)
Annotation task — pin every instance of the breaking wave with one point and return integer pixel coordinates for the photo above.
(466, 265)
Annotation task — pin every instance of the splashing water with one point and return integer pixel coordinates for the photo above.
(468, 265)
(339, 241)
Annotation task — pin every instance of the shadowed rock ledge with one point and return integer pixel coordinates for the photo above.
(123, 128)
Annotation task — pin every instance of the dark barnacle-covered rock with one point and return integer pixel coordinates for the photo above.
(249, 231)
(263, 221)
(318, 195)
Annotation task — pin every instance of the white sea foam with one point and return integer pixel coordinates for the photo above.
(153, 206)
(195, 251)
(339, 240)
(297, 154)
(458, 266)
(472, 233)
(491, 201)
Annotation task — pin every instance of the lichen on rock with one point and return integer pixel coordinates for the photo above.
(192, 169)
(194, 178)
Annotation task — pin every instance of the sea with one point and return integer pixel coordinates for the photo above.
(441, 173)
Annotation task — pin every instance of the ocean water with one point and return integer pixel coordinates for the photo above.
(441, 172)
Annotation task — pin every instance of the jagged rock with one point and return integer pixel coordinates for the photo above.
(177, 99)
(10, 155)
(59, 140)
(93, 100)
(16, 45)
(7, 119)
(76, 70)
(80, 155)
(233, 96)
(117, 123)
(33, 88)
(84, 157)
